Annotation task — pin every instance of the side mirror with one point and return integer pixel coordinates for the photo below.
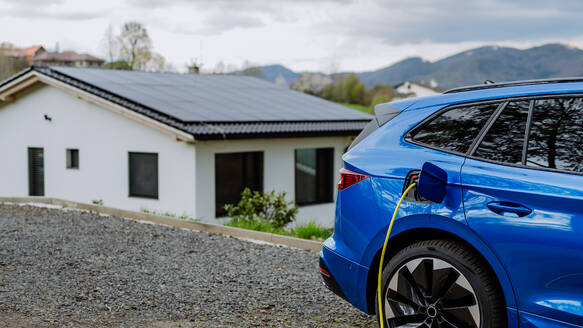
(432, 182)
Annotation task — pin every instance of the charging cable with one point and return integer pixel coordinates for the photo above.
(383, 253)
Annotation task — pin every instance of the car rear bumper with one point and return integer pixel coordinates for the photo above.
(329, 280)
(346, 278)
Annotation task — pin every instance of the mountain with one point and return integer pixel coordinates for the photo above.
(486, 63)
(274, 72)
(474, 66)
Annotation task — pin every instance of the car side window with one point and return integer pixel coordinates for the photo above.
(556, 134)
(455, 129)
(504, 140)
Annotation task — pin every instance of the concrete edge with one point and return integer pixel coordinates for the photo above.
(310, 245)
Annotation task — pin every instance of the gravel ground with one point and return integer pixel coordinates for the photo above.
(70, 268)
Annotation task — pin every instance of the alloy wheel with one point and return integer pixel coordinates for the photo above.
(428, 293)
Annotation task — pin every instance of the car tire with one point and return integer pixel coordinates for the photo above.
(440, 283)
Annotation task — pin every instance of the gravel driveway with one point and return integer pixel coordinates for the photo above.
(70, 268)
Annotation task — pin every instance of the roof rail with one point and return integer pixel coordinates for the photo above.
(514, 84)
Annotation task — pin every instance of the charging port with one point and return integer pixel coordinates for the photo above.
(413, 196)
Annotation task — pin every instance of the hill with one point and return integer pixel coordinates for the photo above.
(474, 66)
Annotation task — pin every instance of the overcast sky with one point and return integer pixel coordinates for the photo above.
(324, 35)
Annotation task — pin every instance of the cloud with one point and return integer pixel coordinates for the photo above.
(218, 23)
(221, 16)
(47, 9)
(452, 21)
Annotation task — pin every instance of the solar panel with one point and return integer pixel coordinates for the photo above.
(213, 98)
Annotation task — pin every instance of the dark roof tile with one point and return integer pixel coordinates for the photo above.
(214, 107)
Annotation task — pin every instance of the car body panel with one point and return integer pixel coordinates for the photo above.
(529, 320)
(542, 251)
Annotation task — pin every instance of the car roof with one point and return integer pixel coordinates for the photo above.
(500, 91)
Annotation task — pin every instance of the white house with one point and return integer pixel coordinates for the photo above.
(410, 89)
(180, 143)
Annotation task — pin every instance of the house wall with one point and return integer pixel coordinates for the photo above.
(418, 90)
(103, 138)
(279, 170)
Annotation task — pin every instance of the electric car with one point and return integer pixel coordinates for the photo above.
(503, 247)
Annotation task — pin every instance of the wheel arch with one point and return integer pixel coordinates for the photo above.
(406, 237)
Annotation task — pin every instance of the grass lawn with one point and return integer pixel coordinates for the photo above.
(310, 230)
(364, 109)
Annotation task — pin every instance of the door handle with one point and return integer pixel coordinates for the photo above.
(501, 207)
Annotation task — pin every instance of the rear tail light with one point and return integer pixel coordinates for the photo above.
(349, 178)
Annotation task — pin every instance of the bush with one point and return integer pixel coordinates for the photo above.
(257, 225)
(260, 207)
(312, 231)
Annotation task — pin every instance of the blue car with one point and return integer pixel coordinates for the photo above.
(504, 247)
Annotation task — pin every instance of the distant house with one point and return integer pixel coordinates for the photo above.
(26, 54)
(182, 143)
(410, 89)
(67, 58)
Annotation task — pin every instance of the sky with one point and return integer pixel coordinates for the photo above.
(315, 35)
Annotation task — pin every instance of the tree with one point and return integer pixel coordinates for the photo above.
(111, 44)
(379, 94)
(379, 98)
(10, 65)
(135, 45)
(253, 71)
(132, 49)
(219, 68)
(158, 63)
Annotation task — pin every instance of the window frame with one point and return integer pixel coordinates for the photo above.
(329, 192)
(68, 159)
(408, 136)
(157, 175)
(505, 100)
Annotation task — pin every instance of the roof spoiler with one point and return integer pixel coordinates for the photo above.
(385, 113)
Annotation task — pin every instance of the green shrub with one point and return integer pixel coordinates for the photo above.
(311, 230)
(262, 207)
(97, 202)
(257, 225)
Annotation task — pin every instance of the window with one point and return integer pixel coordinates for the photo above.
(505, 138)
(556, 134)
(72, 158)
(36, 172)
(143, 175)
(233, 173)
(313, 176)
(455, 129)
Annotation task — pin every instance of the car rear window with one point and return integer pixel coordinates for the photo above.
(504, 140)
(455, 129)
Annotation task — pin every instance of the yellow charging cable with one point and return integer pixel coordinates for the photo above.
(383, 253)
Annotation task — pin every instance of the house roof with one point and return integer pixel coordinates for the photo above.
(213, 106)
(65, 56)
(31, 51)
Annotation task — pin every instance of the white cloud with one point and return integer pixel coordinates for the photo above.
(302, 34)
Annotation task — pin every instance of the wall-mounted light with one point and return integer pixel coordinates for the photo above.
(48, 118)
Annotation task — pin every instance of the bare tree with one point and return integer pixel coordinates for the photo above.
(158, 63)
(219, 68)
(10, 65)
(135, 45)
(132, 49)
(110, 44)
